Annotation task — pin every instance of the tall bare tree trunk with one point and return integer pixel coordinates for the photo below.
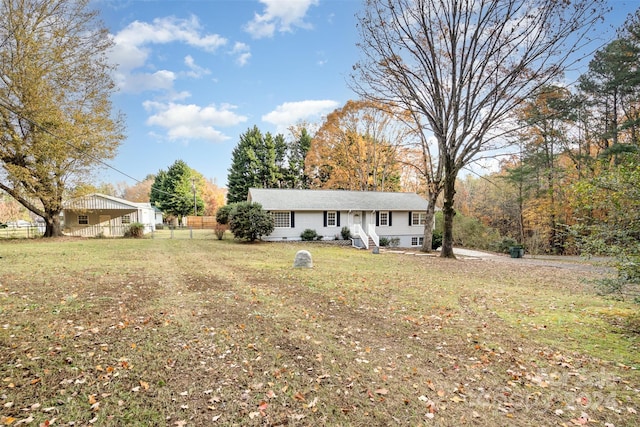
(427, 242)
(448, 212)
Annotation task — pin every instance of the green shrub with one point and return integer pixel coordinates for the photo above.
(469, 232)
(223, 214)
(309, 234)
(247, 221)
(503, 246)
(393, 242)
(135, 231)
(436, 240)
(345, 233)
(159, 226)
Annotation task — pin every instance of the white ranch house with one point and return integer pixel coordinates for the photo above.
(368, 215)
(101, 215)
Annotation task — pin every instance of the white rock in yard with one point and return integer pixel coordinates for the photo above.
(303, 260)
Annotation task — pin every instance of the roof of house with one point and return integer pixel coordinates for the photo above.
(99, 201)
(273, 199)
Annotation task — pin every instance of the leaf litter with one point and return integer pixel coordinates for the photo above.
(273, 347)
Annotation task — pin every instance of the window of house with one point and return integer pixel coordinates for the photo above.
(281, 219)
(418, 218)
(417, 241)
(331, 219)
(384, 218)
(83, 220)
(126, 219)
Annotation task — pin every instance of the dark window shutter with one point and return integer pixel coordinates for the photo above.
(409, 217)
(324, 218)
(377, 219)
(390, 219)
(293, 219)
(338, 219)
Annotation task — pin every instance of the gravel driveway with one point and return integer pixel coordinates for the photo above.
(556, 261)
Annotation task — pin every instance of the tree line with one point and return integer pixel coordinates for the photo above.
(441, 84)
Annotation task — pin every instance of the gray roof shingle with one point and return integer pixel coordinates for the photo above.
(273, 199)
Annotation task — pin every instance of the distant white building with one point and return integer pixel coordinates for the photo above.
(369, 215)
(101, 215)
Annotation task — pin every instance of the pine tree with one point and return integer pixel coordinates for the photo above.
(298, 149)
(254, 163)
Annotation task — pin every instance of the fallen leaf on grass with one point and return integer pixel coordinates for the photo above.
(299, 396)
(313, 402)
(382, 391)
(7, 420)
(583, 420)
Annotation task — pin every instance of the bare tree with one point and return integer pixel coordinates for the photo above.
(461, 66)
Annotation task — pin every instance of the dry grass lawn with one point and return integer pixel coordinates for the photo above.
(204, 332)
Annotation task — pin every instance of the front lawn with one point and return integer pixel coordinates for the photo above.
(112, 332)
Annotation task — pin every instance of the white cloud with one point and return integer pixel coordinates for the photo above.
(195, 70)
(184, 122)
(141, 82)
(242, 51)
(167, 30)
(132, 49)
(290, 113)
(280, 15)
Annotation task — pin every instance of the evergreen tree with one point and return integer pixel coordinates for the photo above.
(173, 190)
(254, 163)
(612, 84)
(298, 149)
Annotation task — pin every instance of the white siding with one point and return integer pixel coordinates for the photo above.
(399, 227)
(307, 220)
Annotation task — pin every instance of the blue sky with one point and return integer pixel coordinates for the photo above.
(194, 75)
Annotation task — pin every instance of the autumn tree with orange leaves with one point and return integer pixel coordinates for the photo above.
(356, 148)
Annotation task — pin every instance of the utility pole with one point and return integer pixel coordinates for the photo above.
(195, 204)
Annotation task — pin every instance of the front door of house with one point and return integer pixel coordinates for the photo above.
(357, 218)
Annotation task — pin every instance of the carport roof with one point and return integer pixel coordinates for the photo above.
(97, 201)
